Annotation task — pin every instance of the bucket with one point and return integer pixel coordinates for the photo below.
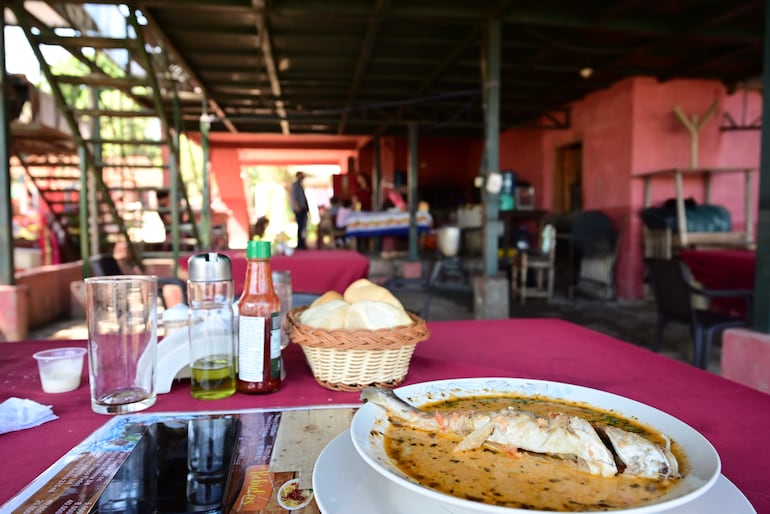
(449, 241)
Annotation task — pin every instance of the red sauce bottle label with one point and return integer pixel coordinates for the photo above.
(259, 348)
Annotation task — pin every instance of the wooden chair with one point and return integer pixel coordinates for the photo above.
(673, 290)
(541, 263)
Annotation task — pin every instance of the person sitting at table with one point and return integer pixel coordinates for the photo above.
(394, 200)
(328, 223)
(343, 213)
(259, 228)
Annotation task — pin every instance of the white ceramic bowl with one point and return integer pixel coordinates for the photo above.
(371, 420)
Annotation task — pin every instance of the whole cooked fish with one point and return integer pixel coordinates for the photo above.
(640, 456)
(557, 434)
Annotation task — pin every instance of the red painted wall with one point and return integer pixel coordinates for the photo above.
(528, 154)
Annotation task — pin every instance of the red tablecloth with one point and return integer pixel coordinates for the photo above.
(312, 271)
(733, 417)
(723, 269)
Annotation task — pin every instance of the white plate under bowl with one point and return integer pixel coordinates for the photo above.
(344, 484)
(370, 422)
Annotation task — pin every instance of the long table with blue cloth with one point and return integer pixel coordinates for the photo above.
(731, 416)
(385, 223)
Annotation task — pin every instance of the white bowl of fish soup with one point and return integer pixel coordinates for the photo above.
(502, 481)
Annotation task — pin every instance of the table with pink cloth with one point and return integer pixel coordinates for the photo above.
(731, 416)
(312, 271)
(723, 269)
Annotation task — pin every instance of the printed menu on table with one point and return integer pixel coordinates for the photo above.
(255, 461)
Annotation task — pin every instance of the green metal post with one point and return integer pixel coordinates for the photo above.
(83, 206)
(411, 197)
(206, 185)
(94, 227)
(175, 160)
(6, 213)
(762, 273)
(376, 174)
(377, 184)
(491, 145)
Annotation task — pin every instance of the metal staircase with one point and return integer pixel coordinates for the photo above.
(127, 151)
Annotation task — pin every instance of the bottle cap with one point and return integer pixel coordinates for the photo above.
(258, 250)
(209, 267)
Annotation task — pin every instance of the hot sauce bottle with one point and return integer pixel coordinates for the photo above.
(259, 327)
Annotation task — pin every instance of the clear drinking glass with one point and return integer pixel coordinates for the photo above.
(282, 286)
(122, 318)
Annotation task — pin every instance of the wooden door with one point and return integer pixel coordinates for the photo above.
(568, 178)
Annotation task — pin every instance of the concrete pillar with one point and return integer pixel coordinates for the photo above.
(746, 358)
(13, 312)
(490, 297)
(411, 269)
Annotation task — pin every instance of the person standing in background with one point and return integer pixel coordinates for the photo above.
(300, 207)
(363, 193)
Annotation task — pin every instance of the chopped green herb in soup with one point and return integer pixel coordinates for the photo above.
(501, 475)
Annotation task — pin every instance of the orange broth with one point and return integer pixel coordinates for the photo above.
(527, 480)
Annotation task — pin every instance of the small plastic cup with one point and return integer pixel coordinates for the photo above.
(60, 369)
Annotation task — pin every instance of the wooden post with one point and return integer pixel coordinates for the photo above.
(693, 126)
(680, 214)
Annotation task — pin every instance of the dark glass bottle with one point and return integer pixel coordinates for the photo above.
(259, 325)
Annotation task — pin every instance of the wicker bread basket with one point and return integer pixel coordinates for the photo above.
(349, 360)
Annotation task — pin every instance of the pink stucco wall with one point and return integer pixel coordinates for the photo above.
(602, 122)
(628, 129)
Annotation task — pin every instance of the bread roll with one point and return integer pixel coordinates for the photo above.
(352, 292)
(326, 297)
(365, 290)
(330, 315)
(374, 315)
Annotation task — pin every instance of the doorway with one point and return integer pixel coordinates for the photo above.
(267, 192)
(568, 178)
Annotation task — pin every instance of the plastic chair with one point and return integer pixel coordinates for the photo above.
(541, 263)
(673, 290)
(106, 265)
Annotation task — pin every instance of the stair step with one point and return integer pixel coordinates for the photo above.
(114, 113)
(127, 165)
(100, 80)
(86, 41)
(45, 174)
(127, 142)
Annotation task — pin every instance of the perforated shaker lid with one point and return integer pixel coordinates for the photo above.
(209, 267)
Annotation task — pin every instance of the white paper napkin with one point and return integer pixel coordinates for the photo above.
(18, 414)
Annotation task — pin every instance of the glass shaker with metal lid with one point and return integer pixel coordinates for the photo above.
(213, 331)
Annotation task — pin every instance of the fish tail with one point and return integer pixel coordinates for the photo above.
(396, 407)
